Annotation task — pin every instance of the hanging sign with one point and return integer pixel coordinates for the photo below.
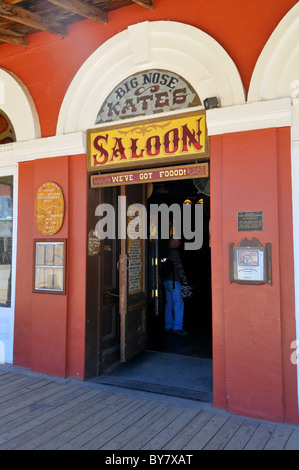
(153, 175)
(177, 139)
(135, 254)
(93, 243)
(49, 208)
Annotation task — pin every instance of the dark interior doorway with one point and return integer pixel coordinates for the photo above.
(197, 266)
(176, 365)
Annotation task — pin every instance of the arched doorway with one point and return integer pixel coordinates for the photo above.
(185, 51)
(127, 286)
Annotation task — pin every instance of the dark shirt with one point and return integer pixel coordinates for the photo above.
(179, 273)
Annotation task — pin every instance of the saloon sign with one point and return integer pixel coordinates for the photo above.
(175, 139)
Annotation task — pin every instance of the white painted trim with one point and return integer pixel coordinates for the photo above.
(139, 35)
(18, 105)
(295, 206)
(10, 312)
(277, 65)
(262, 115)
(177, 47)
(48, 147)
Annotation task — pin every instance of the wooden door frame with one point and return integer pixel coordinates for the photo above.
(123, 282)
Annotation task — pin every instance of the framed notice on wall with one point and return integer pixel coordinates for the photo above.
(49, 208)
(250, 262)
(49, 272)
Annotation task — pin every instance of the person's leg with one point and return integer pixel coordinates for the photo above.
(178, 307)
(169, 305)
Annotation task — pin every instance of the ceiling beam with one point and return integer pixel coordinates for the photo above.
(12, 37)
(84, 9)
(20, 15)
(149, 4)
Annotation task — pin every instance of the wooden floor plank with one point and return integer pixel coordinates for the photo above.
(66, 421)
(37, 403)
(181, 440)
(148, 427)
(30, 393)
(27, 408)
(21, 435)
(131, 427)
(119, 423)
(242, 436)
(73, 429)
(27, 417)
(8, 377)
(207, 432)
(224, 434)
(101, 421)
(151, 430)
(293, 441)
(40, 412)
(34, 420)
(278, 438)
(172, 429)
(16, 387)
(19, 393)
(260, 436)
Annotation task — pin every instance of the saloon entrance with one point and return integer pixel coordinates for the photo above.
(126, 340)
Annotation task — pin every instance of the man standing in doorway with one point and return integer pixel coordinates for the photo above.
(174, 308)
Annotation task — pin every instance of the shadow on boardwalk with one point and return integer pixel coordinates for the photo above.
(39, 412)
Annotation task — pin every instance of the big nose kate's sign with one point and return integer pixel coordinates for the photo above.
(178, 139)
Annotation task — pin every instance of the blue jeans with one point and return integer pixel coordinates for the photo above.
(175, 304)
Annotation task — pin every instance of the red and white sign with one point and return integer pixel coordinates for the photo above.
(199, 170)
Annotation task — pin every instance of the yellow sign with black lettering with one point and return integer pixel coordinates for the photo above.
(177, 139)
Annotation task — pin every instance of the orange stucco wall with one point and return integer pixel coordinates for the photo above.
(253, 326)
(49, 64)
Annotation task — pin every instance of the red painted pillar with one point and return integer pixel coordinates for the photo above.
(49, 328)
(250, 350)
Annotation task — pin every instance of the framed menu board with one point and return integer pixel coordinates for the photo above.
(250, 262)
(49, 266)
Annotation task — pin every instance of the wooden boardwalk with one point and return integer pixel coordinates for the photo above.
(39, 412)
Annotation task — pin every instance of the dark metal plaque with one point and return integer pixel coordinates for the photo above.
(250, 221)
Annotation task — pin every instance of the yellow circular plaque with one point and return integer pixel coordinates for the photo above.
(49, 208)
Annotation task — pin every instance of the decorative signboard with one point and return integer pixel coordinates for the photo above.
(250, 262)
(135, 255)
(49, 266)
(148, 92)
(49, 208)
(93, 243)
(178, 139)
(199, 170)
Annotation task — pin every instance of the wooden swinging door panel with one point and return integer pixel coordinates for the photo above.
(109, 288)
(132, 281)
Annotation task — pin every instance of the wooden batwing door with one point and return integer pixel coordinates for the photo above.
(132, 276)
(109, 289)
